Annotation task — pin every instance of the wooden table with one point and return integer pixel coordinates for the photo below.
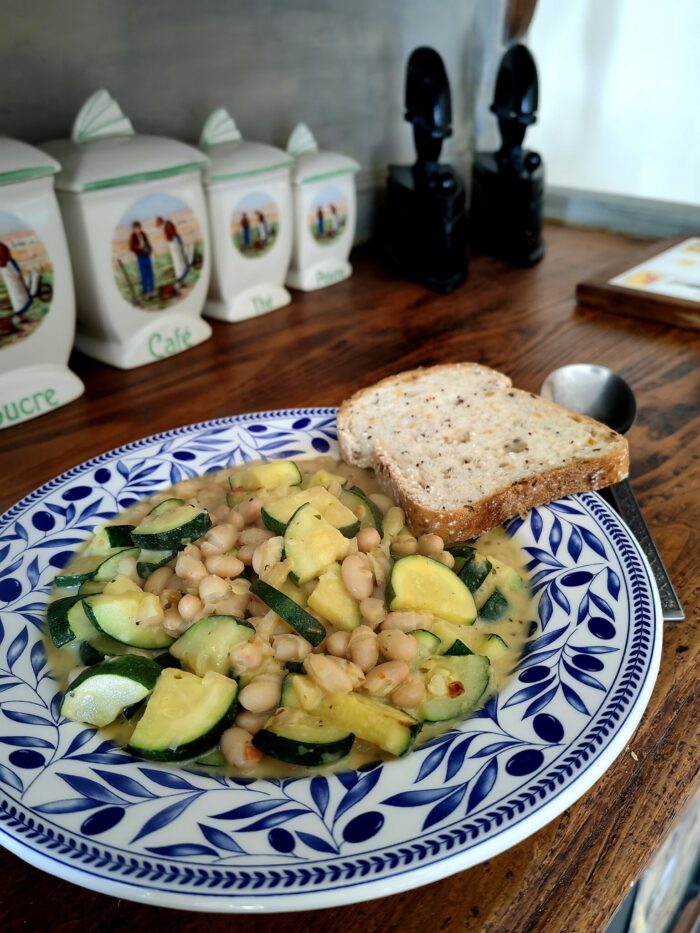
(572, 875)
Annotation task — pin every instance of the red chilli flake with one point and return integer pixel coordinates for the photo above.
(455, 689)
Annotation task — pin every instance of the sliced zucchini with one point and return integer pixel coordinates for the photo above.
(475, 569)
(362, 507)
(495, 607)
(148, 561)
(119, 615)
(111, 536)
(302, 738)
(300, 692)
(276, 515)
(67, 621)
(172, 528)
(96, 567)
(91, 587)
(100, 694)
(465, 680)
(421, 583)
(166, 505)
(79, 571)
(167, 660)
(301, 621)
(266, 475)
(428, 643)
(185, 715)
(312, 544)
(389, 728)
(495, 648)
(457, 649)
(331, 600)
(205, 645)
(109, 568)
(89, 655)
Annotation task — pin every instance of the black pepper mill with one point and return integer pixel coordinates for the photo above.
(426, 220)
(508, 185)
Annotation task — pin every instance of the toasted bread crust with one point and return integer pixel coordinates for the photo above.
(580, 474)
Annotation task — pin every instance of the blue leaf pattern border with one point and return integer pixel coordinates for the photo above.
(76, 803)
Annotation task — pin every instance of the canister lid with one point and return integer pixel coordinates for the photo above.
(232, 157)
(21, 162)
(105, 152)
(310, 164)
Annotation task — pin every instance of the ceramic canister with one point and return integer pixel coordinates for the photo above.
(135, 219)
(324, 213)
(249, 198)
(37, 303)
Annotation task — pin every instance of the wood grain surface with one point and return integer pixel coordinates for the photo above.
(571, 876)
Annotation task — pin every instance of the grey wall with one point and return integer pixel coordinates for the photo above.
(336, 64)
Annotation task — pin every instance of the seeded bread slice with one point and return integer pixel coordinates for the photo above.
(462, 451)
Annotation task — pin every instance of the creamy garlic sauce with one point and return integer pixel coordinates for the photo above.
(210, 492)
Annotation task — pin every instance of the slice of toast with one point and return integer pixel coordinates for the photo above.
(462, 451)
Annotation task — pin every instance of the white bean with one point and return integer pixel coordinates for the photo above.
(337, 644)
(446, 558)
(407, 621)
(246, 656)
(224, 565)
(190, 568)
(235, 519)
(157, 581)
(238, 749)
(368, 538)
(384, 678)
(404, 545)
(290, 647)
(372, 610)
(245, 555)
(262, 693)
(255, 536)
(363, 649)
(127, 568)
(252, 722)
(173, 623)
(221, 537)
(357, 576)
(396, 645)
(267, 554)
(328, 674)
(394, 520)
(250, 510)
(430, 545)
(232, 605)
(410, 693)
(189, 606)
(212, 588)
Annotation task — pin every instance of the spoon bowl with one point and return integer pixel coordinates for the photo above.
(601, 394)
(594, 391)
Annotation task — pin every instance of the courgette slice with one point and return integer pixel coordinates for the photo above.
(301, 621)
(119, 615)
(268, 475)
(428, 644)
(495, 607)
(362, 507)
(302, 738)
(475, 569)
(495, 647)
(148, 561)
(67, 621)
(166, 505)
(277, 514)
(205, 645)
(96, 567)
(312, 544)
(331, 600)
(491, 599)
(109, 568)
(100, 694)
(89, 655)
(465, 678)
(109, 537)
(457, 649)
(422, 584)
(369, 719)
(171, 528)
(185, 716)
(300, 692)
(324, 478)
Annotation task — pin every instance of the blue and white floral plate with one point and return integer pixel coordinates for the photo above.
(80, 808)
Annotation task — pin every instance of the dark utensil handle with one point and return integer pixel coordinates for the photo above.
(626, 505)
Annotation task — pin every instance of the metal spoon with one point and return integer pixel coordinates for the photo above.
(603, 395)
